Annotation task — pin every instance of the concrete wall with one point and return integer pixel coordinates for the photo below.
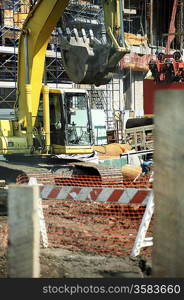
(133, 92)
(137, 94)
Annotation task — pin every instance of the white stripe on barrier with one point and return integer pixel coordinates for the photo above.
(128, 195)
(85, 194)
(63, 193)
(45, 191)
(103, 195)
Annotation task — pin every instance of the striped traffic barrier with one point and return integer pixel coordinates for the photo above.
(121, 195)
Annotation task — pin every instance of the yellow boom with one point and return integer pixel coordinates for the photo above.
(32, 50)
(31, 57)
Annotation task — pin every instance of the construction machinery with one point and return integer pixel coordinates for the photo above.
(166, 71)
(167, 68)
(49, 122)
(140, 135)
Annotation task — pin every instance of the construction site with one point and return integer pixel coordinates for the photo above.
(91, 144)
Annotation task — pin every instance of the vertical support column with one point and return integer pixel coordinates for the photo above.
(24, 231)
(29, 115)
(172, 28)
(46, 116)
(168, 251)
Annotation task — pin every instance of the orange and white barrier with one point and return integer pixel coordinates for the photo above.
(121, 195)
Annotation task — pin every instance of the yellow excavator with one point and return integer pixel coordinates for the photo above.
(48, 121)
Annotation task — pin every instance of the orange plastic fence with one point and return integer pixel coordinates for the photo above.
(101, 228)
(86, 180)
(104, 228)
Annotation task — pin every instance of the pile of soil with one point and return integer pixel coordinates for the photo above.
(62, 263)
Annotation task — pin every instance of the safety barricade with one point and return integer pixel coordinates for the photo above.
(93, 218)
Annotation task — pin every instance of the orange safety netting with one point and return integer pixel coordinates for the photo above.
(104, 228)
(86, 180)
(101, 228)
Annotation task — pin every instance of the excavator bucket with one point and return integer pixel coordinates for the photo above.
(88, 60)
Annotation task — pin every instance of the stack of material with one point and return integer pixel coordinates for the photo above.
(111, 150)
(131, 171)
(133, 39)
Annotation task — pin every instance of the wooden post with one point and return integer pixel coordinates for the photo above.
(24, 232)
(168, 251)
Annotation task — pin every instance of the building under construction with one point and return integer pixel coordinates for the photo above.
(89, 201)
(146, 27)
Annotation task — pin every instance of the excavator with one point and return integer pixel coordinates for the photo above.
(52, 122)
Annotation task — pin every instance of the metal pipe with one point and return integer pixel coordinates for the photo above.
(26, 61)
(28, 92)
(29, 116)
(46, 116)
(181, 27)
(151, 22)
(122, 40)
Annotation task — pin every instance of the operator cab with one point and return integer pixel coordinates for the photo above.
(70, 120)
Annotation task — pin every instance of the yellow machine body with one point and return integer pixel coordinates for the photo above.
(18, 136)
(47, 136)
(72, 149)
(11, 145)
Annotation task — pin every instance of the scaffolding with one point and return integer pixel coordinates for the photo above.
(12, 16)
(79, 13)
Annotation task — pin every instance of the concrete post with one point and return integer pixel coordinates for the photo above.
(24, 232)
(168, 252)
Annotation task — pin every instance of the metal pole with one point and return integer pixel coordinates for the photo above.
(26, 58)
(122, 40)
(151, 22)
(181, 27)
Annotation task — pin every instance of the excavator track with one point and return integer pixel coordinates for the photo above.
(106, 174)
(103, 175)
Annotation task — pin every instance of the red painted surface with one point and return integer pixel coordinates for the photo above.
(149, 88)
(116, 194)
(54, 192)
(139, 197)
(94, 194)
(74, 190)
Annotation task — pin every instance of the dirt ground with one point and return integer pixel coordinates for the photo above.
(74, 263)
(63, 263)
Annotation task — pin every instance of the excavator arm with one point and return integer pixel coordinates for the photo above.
(94, 67)
(33, 43)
